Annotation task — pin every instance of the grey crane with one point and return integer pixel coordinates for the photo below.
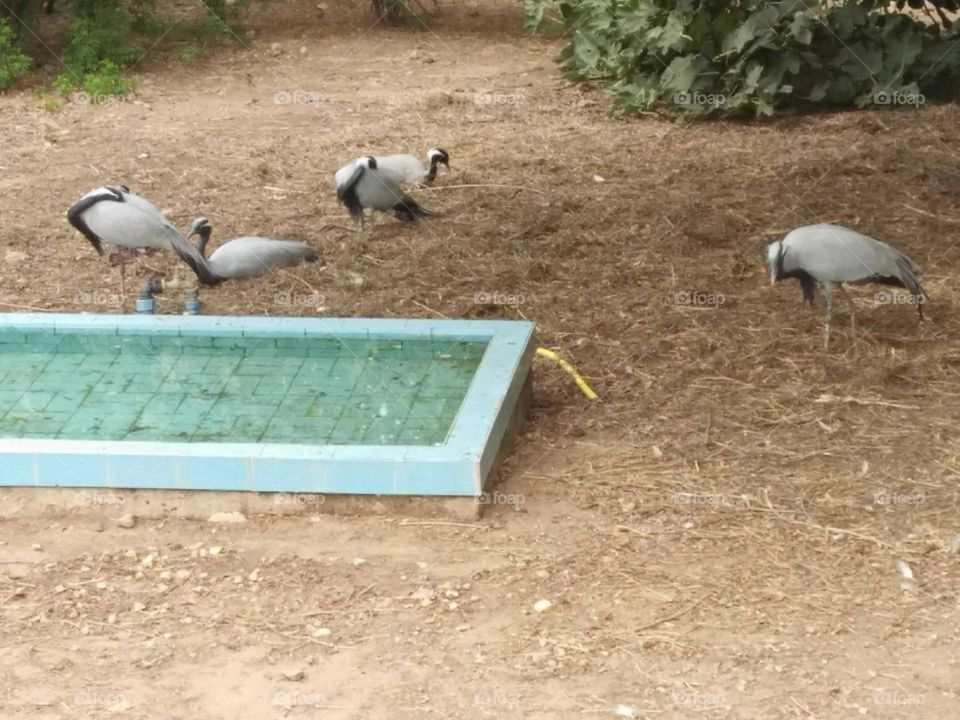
(362, 185)
(831, 255)
(245, 257)
(410, 169)
(112, 215)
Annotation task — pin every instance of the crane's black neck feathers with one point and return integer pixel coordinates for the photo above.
(204, 235)
(76, 211)
(347, 194)
(440, 157)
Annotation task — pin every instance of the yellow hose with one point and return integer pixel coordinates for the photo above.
(569, 369)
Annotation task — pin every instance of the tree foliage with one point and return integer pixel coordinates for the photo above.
(13, 63)
(105, 38)
(754, 56)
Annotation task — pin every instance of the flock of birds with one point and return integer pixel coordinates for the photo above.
(828, 255)
(113, 215)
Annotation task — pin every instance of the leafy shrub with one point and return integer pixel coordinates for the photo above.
(103, 34)
(105, 81)
(707, 57)
(103, 40)
(13, 63)
(98, 47)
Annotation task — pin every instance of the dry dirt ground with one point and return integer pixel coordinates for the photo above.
(718, 535)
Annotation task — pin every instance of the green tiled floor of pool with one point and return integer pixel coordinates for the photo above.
(232, 389)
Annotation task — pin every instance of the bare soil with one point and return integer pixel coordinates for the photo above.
(718, 534)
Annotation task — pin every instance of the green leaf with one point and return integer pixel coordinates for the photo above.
(802, 28)
(819, 92)
(681, 74)
(755, 27)
(673, 36)
(586, 53)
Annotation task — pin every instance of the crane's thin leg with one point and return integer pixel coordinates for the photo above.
(123, 281)
(828, 291)
(853, 312)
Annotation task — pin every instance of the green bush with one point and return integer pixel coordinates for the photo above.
(103, 34)
(99, 46)
(13, 63)
(705, 57)
(107, 36)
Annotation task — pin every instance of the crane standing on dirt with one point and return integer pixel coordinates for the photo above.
(832, 255)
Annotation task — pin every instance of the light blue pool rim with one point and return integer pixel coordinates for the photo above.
(458, 467)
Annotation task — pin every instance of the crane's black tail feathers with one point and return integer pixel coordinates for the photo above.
(410, 210)
(809, 287)
(908, 277)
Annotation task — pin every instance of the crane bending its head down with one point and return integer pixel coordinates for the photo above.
(832, 255)
(247, 257)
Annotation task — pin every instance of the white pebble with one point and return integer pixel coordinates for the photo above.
(542, 605)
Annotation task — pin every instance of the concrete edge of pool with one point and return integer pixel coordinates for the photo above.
(491, 412)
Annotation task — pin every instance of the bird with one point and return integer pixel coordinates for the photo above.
(410, 169)
(361, 185)
(112, 215)
(832, 255)
(246, 257)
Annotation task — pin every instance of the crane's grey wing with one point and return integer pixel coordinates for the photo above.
(75, 215)
(167, 236)
(879, 261)
(249, 257)
(381, 191)
(833, 253)
(127, 220)
(402, 169)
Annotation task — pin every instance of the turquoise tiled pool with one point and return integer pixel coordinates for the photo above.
(357, 406)
(86, 386)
